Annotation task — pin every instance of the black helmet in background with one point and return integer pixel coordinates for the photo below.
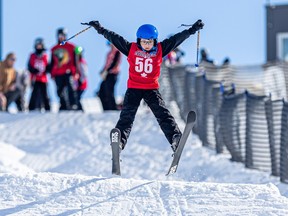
(62, 31)
(61, 34)
(39, 45)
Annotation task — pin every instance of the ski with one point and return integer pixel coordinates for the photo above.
(115, 137)
(191, 119)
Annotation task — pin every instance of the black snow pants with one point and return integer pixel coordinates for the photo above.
(66, 92)
(39, 97)
(106, 92)
(154, 100)
(12, 96)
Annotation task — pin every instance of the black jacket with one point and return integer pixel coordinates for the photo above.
(124, 46)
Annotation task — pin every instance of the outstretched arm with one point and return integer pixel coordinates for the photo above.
(174, 41)
(118, 41)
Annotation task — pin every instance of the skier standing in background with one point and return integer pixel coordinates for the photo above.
(37, 66)
(174, 57)
(63, 69)
(81, 75)
(109, 76)
(145, 58)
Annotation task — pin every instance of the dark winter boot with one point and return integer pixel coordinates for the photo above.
(175, 141)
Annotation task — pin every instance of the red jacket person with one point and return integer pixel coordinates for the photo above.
(145, 58)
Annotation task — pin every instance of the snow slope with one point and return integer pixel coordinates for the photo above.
(60, 164)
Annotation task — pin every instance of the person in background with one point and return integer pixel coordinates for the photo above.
(226, 61)
(109, 75)
(3, 101)
(205, 57)
(22, 82)
(145, 58)
(174, 57)
(8, 91)
(81, 75)
(37, 66)
(63, 70)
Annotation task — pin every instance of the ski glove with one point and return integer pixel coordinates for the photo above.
(96, 26)
(196, 26)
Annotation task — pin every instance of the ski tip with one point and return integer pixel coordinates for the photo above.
(192, 115)
(168, 173)
(172, 170)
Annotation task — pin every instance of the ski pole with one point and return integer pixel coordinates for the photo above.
(63, 42)
(198, 42)
(197, 54)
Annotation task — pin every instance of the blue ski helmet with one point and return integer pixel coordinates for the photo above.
(147, 31)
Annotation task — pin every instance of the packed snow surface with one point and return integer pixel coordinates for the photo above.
(60, 164)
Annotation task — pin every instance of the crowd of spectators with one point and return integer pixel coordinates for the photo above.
(66, 67)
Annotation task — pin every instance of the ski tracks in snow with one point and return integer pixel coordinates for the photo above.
(59, 194)
(51, 161)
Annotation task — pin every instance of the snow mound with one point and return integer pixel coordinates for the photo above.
(59, 194)
(60, 164)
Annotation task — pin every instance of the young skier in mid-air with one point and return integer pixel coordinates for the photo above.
(145, 58)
